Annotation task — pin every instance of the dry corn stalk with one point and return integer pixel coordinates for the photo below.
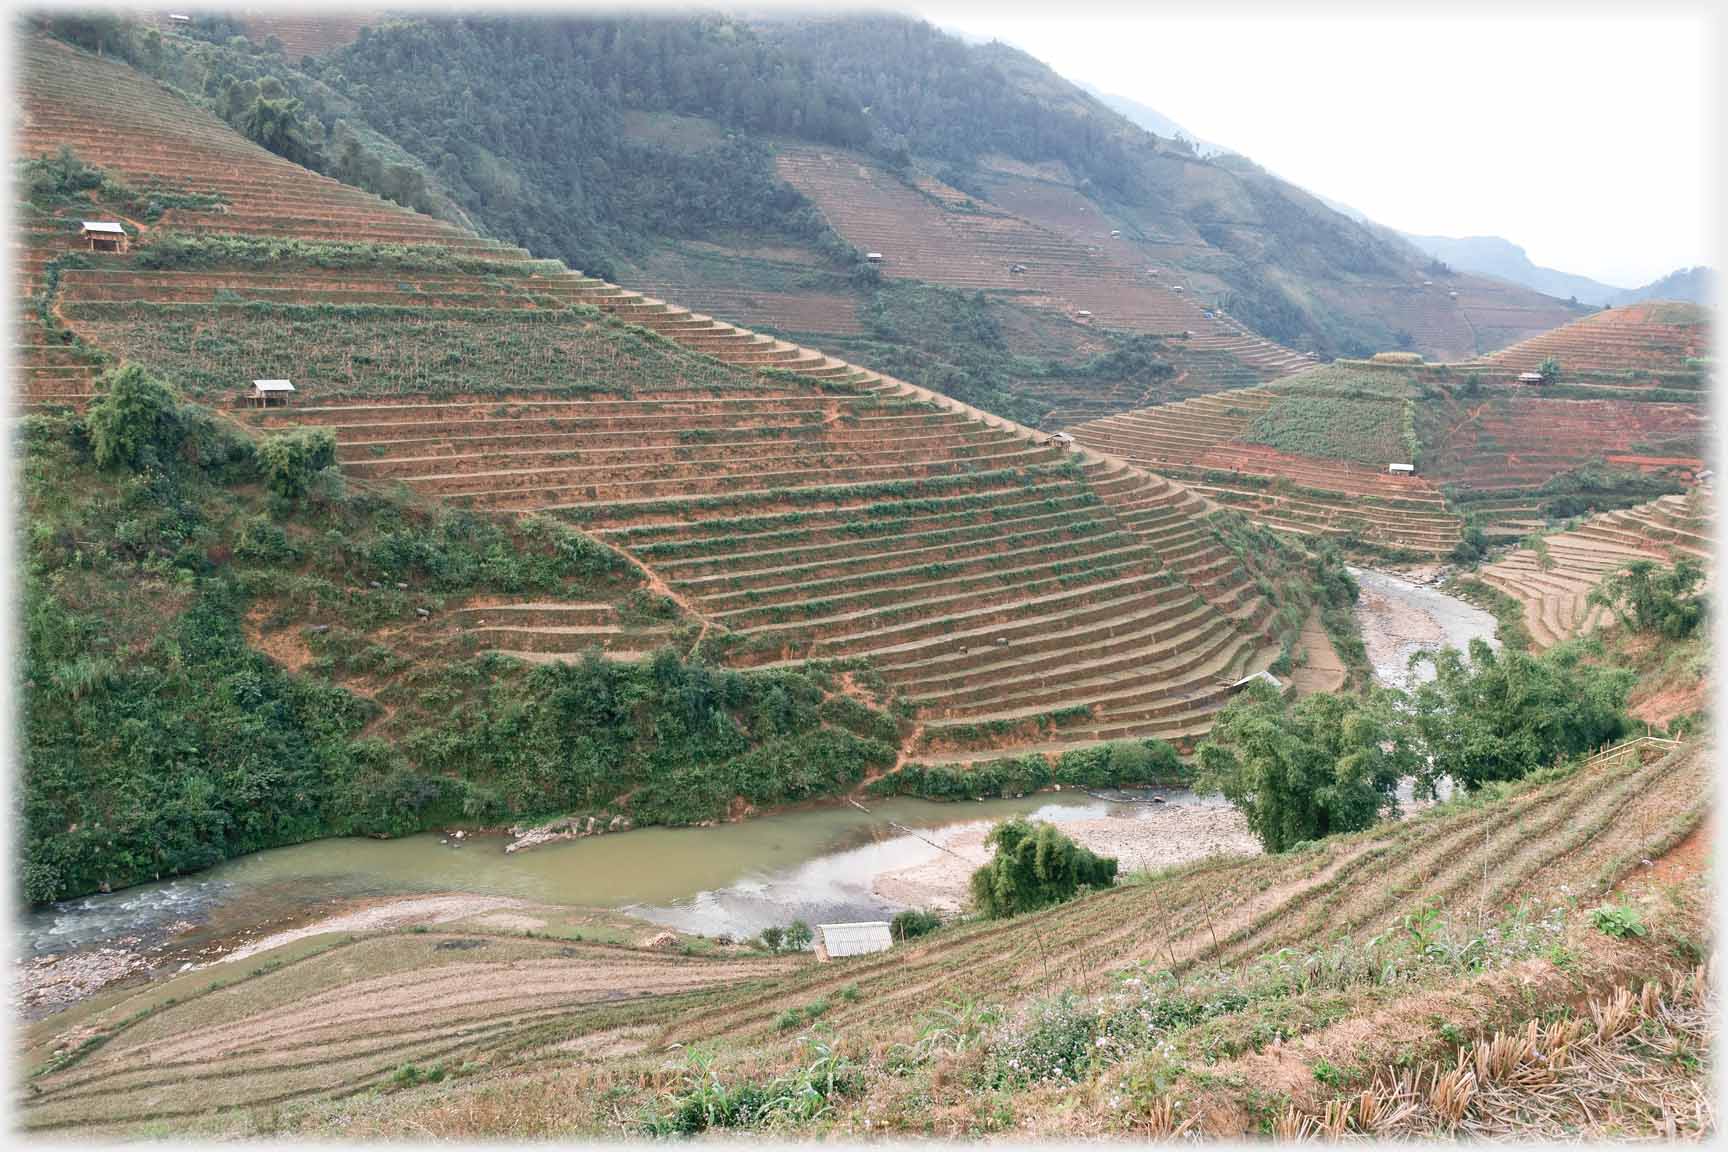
(1160, 1122)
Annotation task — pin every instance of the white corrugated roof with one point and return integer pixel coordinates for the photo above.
(855, 939)
(272, 385)
(103, 226)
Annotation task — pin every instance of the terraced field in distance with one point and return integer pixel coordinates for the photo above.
(1554, 590)
(133, 127)
(934, 233)
(1516, 443)
(1653, 342)
(806, 507)
(527, 1018)
(992, 579)
(1199, 442)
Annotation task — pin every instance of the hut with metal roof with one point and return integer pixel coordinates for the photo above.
(834, 941)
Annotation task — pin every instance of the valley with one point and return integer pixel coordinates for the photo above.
(438, 749)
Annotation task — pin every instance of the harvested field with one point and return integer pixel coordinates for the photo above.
(1553, 585)
(520, 1010)
(797, 506)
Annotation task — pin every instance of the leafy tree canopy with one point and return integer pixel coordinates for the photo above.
(1035, 866)
(1502, 715)
(1647, 597)
(1298, 771)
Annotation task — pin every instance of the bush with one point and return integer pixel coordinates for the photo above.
(135, 423)
(290, 460)
(913, 923)
(1648, 598)
(1549, 370)
(1035, 866)
(1328, 763)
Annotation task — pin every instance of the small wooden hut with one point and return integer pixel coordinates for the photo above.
(104, 236)
(267, 392)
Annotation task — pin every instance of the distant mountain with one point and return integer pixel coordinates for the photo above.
(1495, 256)
(1154, 121)
(1695, 284)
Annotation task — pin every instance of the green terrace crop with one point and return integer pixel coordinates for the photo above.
(371, 350)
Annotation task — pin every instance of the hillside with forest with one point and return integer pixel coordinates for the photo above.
(746, 167)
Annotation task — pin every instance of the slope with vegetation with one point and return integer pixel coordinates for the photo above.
(968, 584)
(1551, 577)
(659, 151)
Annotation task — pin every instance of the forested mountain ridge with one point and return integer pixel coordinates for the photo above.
(643, 148)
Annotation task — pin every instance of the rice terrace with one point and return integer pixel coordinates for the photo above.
(599, 575)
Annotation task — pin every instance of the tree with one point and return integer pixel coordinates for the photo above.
(1035, 866)
(135, 423)
(289, 460)
(1327, 763)
(277, 125)
(1549, 370)
(1649, 598)
(1500, 716)
(798, 936)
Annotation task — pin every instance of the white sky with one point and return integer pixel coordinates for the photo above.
(1584, 133)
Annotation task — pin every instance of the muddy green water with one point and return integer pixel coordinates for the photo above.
(814, 863)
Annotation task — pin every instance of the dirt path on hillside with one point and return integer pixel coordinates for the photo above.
(1158, 837)
(1322, 671)
(392, 913)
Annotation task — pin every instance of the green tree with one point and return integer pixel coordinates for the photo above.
(136, 422)
(1500, 716)
(1549, 369)
(1327, 763)
(1035, 866)
(1649, 598)
(798, 936)
(278, 125)
(289, 460)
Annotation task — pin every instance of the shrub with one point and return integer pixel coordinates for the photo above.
(1035, 866)
(1648, 598)
(289, 460)
(1502, 715)
(773, 938)
(1328, 763)
(135, 423)
(913, 923)
(1618, 921)
(1549, 370)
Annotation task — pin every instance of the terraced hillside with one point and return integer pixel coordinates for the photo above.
(1654, 343)
(1203, 443)
(1553, 584)
(525, 1019)
(801, 507)
(931, 232)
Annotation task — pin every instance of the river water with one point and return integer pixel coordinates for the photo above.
(814, 863)
(1400, 618)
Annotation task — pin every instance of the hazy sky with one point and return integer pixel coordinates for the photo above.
(1583, 133)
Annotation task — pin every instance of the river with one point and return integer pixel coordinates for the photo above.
(814, 863)
(817, 863)
(1400, 618)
